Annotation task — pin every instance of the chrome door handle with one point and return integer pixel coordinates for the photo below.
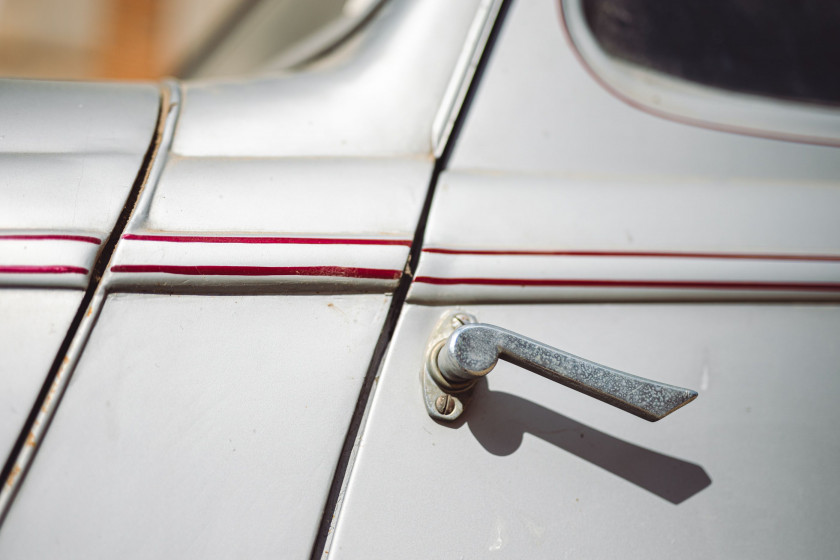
(461, 351)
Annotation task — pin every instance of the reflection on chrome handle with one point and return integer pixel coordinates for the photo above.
(472, 350)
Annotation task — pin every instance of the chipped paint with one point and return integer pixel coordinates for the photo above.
(10, 482)
(48, 407)
(53, 388)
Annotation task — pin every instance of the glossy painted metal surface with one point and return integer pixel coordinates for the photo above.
(544, 239)
(347, 195)
(70, 153)
(284, 264)
(199, 427)
(58, 378)
(341, 151)
(576, 195)
(209, 425)
(280, 35)
(285, 213)
(539, 112)
(536, 471)
(465, 72)
(33, 323)
(559, 191)
(276, 221)
(376, 96)
(47, 259)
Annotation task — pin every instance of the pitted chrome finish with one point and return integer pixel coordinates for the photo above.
(444, 398)
(472, 349)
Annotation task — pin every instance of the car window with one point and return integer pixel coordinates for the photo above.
(153, 39)
(780, 49)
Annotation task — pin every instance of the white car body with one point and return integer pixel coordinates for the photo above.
(216, 298)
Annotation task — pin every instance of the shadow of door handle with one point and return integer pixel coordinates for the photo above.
(462, 351)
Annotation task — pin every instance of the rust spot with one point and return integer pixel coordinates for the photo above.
(334, 307)
(48, 399)
(66, 360)
(30, 440)
(12, 476)
(89, 312)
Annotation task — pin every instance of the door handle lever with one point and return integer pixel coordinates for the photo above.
(461, 351)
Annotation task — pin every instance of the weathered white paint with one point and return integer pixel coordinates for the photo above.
(330, 196)
(70, 152)
(549, 160)
(612, 277)
(537, 470)
(538, 111)
(794, 224)
(198, 427)
(377, 95)
(242, 263)
(33, 323)
(53, 261)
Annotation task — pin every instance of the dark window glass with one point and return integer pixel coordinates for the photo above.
(781, 48)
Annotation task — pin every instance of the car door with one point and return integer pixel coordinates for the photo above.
(209, 387)
(699, 250)
(73, 157)
(220, 380)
